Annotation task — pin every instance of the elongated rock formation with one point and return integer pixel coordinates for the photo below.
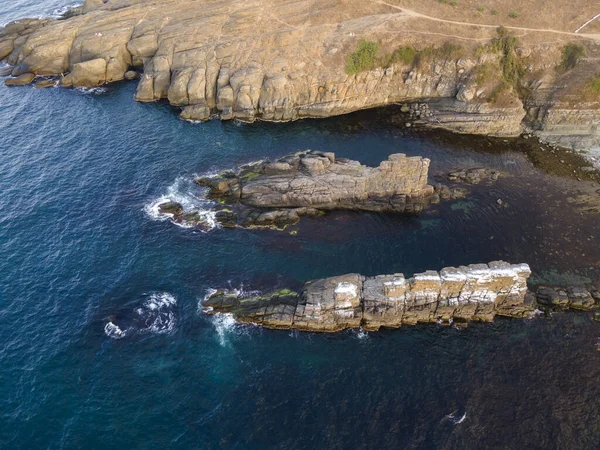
(276, 194)
(319, 180)
(477, 292)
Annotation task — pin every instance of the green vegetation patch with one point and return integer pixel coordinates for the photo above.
(595, 85)
(364, 58)
(571, 55)
(513, 68)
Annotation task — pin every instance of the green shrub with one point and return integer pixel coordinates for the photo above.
(480, 9)
(364, 58)
(494, 12)
(448, 50)
(405, 55)
(595, 85)
(454, 3)
(511, 65)
(513, 14)
(443, 1)
(571, 55)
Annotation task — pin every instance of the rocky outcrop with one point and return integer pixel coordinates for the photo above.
(21, 80)
(285, 60)
(266, 194)
(474, 293)
(320, 180)
(477, 292)
(276, 194)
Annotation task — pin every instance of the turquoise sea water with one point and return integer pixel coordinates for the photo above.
(79, 249)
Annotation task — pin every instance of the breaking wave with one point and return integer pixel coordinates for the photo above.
(455, 419)
(156, 315)
(92, 90)
(113, 331)
(191, 198)
(60, 12)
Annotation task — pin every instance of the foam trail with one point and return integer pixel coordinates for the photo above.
(92, 90)
(113, 331)
(185, 192)
(224, 323)
(158, 313)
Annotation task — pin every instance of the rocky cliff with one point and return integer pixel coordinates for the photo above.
(285, 60)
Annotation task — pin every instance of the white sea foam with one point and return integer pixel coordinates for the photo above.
(62, 10)
(191, 198)
(361, 334)
(113, 331)
(455, 419)
(224, 323)
(92, 90)
(157, 314)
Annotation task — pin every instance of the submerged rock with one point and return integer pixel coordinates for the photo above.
(478, 292)
(574, 297)
(474, 176)
(170, 208)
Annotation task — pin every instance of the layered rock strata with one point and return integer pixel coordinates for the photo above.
(313, 179)
(308, 183)
(285, 60)
(477, 292)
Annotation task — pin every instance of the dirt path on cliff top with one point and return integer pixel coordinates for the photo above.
(411, 13)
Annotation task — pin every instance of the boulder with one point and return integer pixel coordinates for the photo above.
(45, 83)
(21, 80)
(170, 207)
(66, 80)
(131, 75)
(90, 73)
(6, 71)
(6, 48)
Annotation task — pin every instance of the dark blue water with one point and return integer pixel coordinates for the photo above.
(78, 249)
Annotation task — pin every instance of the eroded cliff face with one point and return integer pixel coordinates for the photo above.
(281, 60)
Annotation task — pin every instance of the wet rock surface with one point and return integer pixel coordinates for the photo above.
(474, 175)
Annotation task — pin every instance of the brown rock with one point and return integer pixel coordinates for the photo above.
(21, 80)
(45, 83)
(6, 48)
(131, 75)
(66, 80)
(90, 73)
(6, 71)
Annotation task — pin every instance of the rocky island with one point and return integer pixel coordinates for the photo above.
(284, 60)
(474, 293)
(309, 183)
